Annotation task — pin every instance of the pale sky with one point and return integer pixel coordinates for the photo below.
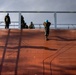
(40, 5)
(37, 5)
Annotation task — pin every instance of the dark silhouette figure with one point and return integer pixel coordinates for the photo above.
(22, 19)
(23, 24)
(47, 28)
(7, 21)
(31, 26)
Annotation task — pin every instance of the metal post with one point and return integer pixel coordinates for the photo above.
(19, 20)
(55, 20)
(39, 26)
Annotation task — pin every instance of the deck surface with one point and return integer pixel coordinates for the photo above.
(26, 52)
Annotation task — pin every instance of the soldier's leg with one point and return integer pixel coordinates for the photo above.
(45, 34)
(5, 27)
(8, 26)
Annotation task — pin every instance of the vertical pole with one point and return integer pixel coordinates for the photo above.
(55, 20)
(39, 26)
(19, 20)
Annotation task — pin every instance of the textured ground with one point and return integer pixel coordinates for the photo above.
(25, 52)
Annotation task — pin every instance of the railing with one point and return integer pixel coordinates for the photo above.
(14, 24)
(66, 26)
(54, 25)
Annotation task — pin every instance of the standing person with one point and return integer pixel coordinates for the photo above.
(47, 28)
(22, 19)
(7, 21)
(23, 23)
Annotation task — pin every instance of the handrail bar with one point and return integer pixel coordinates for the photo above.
(38, 11)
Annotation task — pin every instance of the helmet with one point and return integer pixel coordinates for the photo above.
(46, 20)
(7, 13)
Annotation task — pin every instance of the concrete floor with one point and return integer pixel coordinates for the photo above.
(26, 52)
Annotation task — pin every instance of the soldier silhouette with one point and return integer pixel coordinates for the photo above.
(47, 28)
(7, 21)
(23, 23)
(31, 26)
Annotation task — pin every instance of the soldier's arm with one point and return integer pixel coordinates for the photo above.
(44, 23)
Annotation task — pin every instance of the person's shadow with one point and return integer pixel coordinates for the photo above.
(33, 47)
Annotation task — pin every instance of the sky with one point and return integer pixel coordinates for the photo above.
(40, 5)
(37, 5)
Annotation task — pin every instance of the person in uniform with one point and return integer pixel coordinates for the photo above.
(47, 28)
(7, 21)
(23, 23)
(31, 26)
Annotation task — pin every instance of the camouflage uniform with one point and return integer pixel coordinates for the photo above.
(47, 28)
